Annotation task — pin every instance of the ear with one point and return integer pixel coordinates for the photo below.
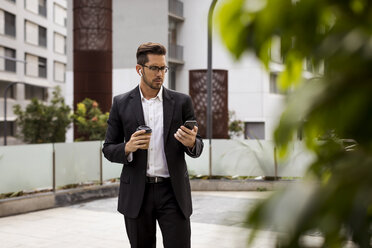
(139, 69)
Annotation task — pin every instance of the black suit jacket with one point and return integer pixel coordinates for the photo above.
(125, 116)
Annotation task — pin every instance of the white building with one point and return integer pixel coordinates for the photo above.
(32, 50)
(249, 92)
(182, 26)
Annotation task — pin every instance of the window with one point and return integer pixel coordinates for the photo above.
(309, 65)
(32, 5)
(172, 32)
(42, 67)
(7, 59)
(42, 36)
(274, 88)
(42, 8)
(59, 43)
(59, 71)
(254, 130)
(10, 127)
(274, 83)
(172, 77)
(31, 33)
(275, 50)
(2, 22)
(35, 92)
(31, 68)
(10, 63)
(11, 90)
(36, 66)
(36, 6)
(60, 15)
(34, 34)
(9, 24)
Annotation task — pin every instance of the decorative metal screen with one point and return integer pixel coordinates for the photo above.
(93, 25)
(93, 51)
(198, 93)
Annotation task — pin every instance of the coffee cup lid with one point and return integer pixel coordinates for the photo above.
(144, 127)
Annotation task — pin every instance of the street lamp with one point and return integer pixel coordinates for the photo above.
(6, 92)
(209, 85)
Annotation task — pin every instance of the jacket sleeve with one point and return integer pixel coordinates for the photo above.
(189, 115)
(197, 149)
(114, 145)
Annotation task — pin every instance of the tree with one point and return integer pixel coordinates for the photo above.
(91, 123)
(41, 123)
(332, 108)
(236, 127)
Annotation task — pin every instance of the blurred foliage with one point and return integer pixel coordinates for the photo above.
(89, 120)
(41, 123)
(236, 127)
(12, 194)
(335, 198)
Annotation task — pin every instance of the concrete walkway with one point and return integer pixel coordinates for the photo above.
(216, 222)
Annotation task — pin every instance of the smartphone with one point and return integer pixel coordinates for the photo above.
(190, 124)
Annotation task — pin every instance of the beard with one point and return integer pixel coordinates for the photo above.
(155, 84)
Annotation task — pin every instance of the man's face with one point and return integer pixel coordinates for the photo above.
(154, 78)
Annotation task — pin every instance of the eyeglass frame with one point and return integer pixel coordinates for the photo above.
(155, 68)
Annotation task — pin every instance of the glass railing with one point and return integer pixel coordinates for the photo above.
(48, 166)
(52, 166)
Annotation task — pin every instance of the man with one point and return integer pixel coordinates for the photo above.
(154, 183)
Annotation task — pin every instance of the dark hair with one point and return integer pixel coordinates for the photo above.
(149, 48)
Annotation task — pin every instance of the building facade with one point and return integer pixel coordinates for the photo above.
(33, 39)
(253, 93)
(182, 27)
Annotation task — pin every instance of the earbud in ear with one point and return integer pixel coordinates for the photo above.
(140, 72)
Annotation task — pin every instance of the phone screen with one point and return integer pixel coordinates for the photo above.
(190, 124)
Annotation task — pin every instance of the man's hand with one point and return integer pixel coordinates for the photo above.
(186, 136)
(138, 140)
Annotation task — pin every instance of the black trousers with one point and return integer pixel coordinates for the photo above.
(159, 204)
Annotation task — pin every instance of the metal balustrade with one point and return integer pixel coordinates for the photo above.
(176, 52)
(176, 8)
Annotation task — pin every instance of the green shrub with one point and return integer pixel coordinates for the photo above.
(333, 110)
(41, 123)
(89, 120)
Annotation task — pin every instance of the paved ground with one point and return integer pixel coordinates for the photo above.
(216, 222)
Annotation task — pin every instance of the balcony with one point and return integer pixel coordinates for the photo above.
(176, 54)
(176, 10)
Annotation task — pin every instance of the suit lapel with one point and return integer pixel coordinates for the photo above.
(136, 106)
(168, 106)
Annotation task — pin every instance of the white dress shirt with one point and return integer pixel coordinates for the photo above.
(153, 115)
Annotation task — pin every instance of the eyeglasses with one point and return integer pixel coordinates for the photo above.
(154, 68)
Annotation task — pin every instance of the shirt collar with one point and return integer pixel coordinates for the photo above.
(158, 96)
